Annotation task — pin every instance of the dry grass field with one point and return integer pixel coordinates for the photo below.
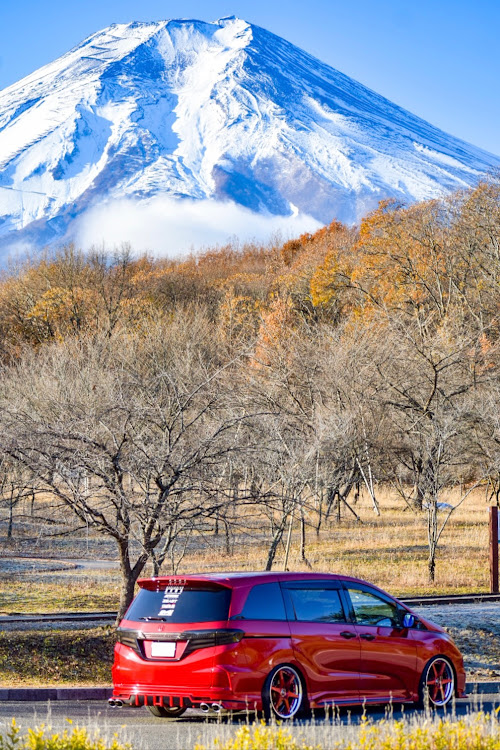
(389, 550)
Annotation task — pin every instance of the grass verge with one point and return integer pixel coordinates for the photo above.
(68, 593)
(62, 657)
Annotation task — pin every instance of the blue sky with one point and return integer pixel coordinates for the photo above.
(438, 58)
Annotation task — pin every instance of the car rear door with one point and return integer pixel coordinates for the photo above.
(259, 610)
(388, 652)
(324, 643)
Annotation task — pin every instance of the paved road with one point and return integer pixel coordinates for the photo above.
(145, 732)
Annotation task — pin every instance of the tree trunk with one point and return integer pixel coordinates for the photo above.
(302, 535)
(320, 513)
(126, 594)
(11, 517)
(129, 578)
(227, 536)
(432, 533)
(432, 566)
(278, 534)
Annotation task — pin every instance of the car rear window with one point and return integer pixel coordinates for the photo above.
(181, 604)
(264, 602)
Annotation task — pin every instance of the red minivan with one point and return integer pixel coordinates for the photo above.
(280, 643)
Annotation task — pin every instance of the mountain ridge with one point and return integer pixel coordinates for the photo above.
(222, 111)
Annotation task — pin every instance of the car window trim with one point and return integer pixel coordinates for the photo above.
(312, 583)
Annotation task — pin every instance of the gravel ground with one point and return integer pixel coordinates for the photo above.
(475, 629)
(14, 566)
(50, 626)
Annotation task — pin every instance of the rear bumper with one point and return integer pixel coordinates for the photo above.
(198, 679)
(211, 698)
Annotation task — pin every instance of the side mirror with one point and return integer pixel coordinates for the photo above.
(408, 620)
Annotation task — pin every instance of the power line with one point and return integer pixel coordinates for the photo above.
(34, 192)
(31, 192)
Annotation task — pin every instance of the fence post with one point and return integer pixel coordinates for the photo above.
(494, 550)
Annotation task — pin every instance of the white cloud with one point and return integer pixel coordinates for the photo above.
(16, 253)
(165, 226)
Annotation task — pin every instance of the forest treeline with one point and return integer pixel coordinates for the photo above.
(154, 396)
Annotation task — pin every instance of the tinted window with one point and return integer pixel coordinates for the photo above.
(370, 609)
(181, 604)
(317, 605)
(264, 602)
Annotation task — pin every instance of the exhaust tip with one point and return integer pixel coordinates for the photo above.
(216, 707)
(205, 707)
(114, 703)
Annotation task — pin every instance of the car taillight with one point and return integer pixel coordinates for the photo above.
(206, 638)
(129, 638)
(195, 639)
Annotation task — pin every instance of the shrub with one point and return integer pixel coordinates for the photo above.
(261, 737)
(474, 732)
(42, 738)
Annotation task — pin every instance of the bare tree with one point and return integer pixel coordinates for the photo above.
(129, 431)
(17, 483)
(429, 381)
(313, 439)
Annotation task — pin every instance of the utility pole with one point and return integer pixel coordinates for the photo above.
(494, 550)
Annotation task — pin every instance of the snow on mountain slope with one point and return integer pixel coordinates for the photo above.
(224, 111)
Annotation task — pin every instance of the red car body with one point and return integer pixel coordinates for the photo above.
(280, 642)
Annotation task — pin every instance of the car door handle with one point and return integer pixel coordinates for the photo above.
(348, 634)
(367, 636)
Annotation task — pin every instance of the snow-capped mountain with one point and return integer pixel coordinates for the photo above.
(221, 111)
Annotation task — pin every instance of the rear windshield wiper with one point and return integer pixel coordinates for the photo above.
(153, 617)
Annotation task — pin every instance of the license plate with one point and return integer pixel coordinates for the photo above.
(162, 648)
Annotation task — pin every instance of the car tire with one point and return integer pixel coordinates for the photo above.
(165, 712)
(284, 696)
(437, 683)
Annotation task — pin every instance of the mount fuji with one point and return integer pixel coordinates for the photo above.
(222, 114)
